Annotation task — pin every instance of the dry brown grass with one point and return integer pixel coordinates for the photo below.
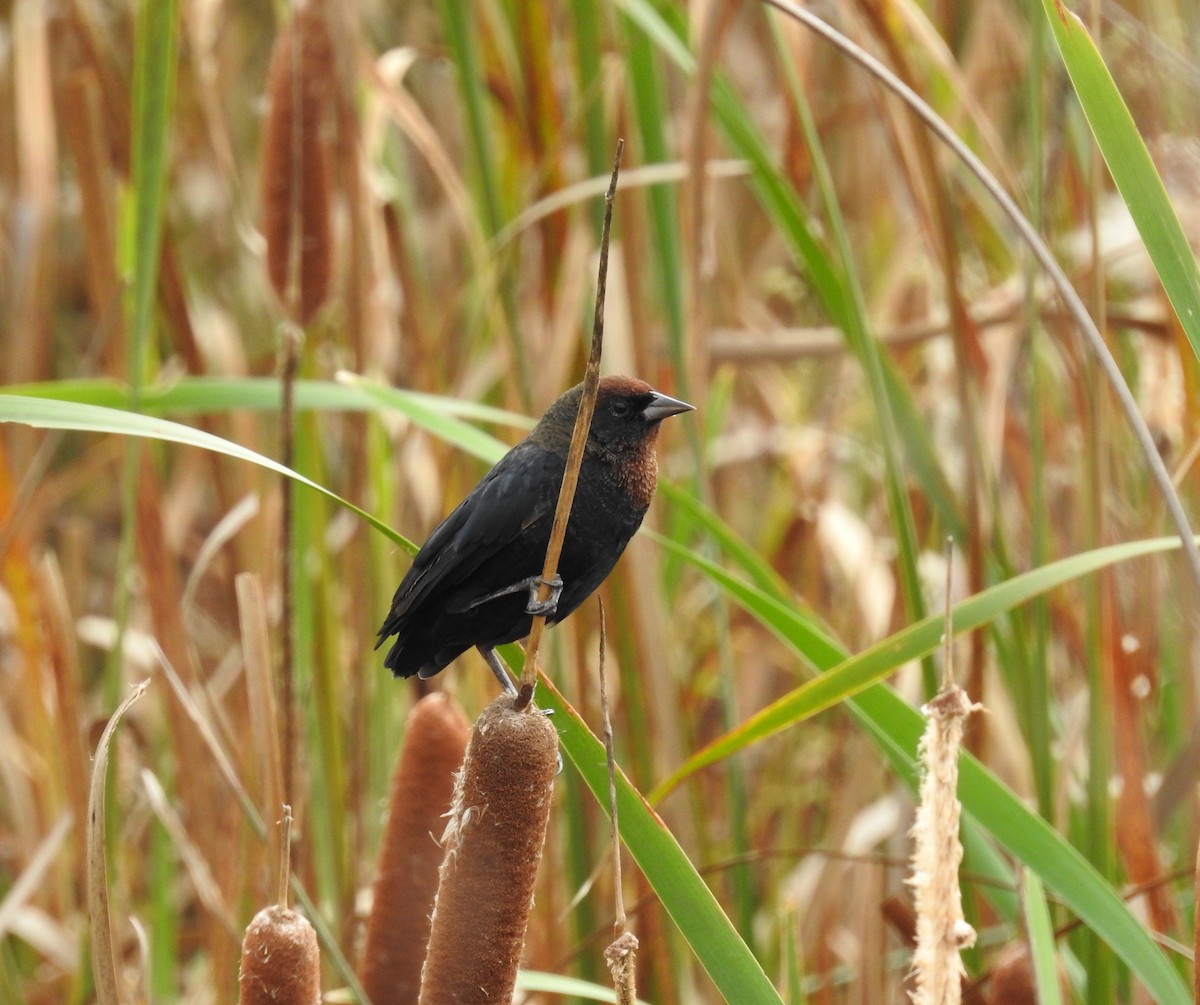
(425, 285)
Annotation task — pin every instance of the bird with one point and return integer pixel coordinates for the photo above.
(475, 582)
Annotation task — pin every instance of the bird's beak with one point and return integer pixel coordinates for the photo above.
(662, 406)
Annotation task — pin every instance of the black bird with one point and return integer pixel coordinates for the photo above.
(475, 581)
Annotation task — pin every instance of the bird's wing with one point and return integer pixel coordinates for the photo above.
(518, 492)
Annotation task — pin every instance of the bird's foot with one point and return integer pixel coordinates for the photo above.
(534, 585)
(548, 606)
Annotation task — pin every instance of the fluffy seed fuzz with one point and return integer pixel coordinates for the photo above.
(493, 845)
(942, 932)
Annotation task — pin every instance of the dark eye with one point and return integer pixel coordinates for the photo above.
(620, 407)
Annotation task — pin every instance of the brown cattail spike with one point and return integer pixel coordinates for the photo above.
(295, 169)
(281, 964)
(493, 845)
(422, 790)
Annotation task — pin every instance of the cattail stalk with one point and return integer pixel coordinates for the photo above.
(422, 790)
(281, 963)
(942, 931)
(296, 224)
(621, 954)
(583, 423)
(493, 843)
(263, 706)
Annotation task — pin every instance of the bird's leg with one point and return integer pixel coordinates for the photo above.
(493, 661)
(533, 584)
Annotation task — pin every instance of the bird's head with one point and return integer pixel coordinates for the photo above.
(626, 419)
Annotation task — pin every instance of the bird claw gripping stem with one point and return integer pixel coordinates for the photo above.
(533, 584)
(548, 606)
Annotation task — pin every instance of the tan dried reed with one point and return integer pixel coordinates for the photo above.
(621, 954)
(422, 790)
(296, 196)
(942, 931)
(263, 708)
(59, 627)
(493, 846)
(83, 129)
(104, 963)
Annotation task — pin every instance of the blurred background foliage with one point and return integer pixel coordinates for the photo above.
(876, 365)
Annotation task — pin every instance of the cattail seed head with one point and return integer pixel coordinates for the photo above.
(281, 964)
(422, 788)
(493, 845)
(942, 932)
(296, 198)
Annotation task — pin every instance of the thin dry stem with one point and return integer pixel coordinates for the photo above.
(948, 620)
(35, 874)
(263, 707)
(618, 893)
(290, 363)
(64, 659)
(104, 964)
(208, 735)
(285, 856)
(583, 422)
(621, 955)
(198, 868)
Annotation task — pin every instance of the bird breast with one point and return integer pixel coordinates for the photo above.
(638, 476)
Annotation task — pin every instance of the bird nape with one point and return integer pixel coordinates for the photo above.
(475, 581)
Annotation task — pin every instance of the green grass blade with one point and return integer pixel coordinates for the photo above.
(42, 413)
(462, 29)
(535, 981)
(1041, 939)
(685, 896)
(261, 394)
(1132, 169)
(585, 22)
(855, 673)
(650, 113)
(155, 59)
(721, 534)
(897, 729)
